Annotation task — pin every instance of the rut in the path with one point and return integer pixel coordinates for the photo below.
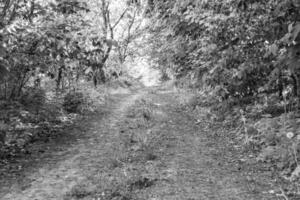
(54, 183)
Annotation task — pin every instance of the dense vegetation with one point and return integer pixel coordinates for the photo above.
(245, 47)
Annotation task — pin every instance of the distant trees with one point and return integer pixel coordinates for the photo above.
(112, 23)
(61, 39)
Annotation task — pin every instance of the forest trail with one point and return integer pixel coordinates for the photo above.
(148, 148)
(55, 182)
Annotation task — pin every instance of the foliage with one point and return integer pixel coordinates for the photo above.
(34, 98)
(244, 47)
(49, 48)
(63, 40)
(59, 44)
(73, 101)
(23, 123)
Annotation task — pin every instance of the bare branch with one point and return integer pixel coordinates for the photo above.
(120, 18)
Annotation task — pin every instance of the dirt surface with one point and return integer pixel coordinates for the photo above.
(147, 146)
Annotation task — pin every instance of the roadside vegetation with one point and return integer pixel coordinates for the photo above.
(242, 58)
(54, 55)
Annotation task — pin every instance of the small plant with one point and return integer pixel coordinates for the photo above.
(33, 99)
(73, 101)
(79, 192)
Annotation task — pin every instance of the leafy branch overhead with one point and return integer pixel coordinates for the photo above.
(235, 44)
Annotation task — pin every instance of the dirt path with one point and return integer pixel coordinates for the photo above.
(196, 165)
(55, 182)
(147, 148)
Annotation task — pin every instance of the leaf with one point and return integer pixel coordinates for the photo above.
(286, 38)
(273, 49)
(295, 173)
(3, 126)
(61, 45)
(295, 31)
(3, 72)
(290, 27)
(293, 64)
(240, 74)
(88, 70)
(266, 153)
(252, 131)
(2, 51)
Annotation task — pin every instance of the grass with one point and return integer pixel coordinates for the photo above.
(125, 173)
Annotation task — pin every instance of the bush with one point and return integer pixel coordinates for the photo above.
(73, 101)
(33, 99)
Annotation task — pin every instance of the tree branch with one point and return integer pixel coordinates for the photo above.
(120, 18)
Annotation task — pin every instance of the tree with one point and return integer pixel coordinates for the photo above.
(232, 44)
(114, 25)
(104, 25)
(62, 39)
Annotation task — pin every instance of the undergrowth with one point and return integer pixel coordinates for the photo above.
(38, 115)
(128, 172)
(263, 127)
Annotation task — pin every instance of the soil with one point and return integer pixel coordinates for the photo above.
(143, 145)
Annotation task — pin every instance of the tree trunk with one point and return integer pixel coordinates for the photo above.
(295, 85)
(280, 85)
(99, 76)
(59, 77)
(95, 80)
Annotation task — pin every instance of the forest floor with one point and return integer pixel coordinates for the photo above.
(144, 145)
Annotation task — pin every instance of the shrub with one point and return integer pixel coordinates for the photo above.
(33, 99)
(73, 101)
